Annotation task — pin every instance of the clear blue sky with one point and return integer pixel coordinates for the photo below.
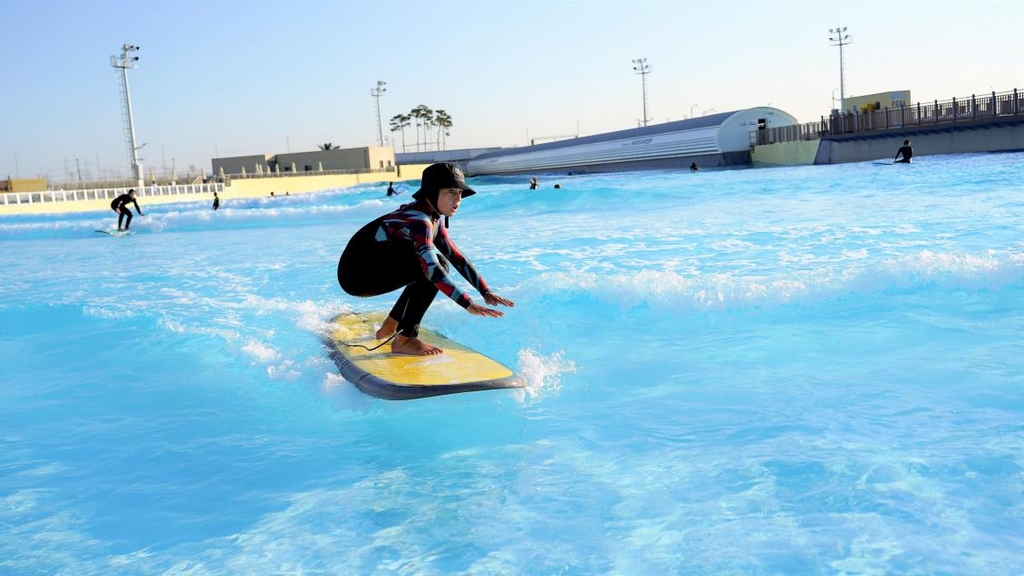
(231, 77)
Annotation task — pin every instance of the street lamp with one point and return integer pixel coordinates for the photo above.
(692, 106)
(641, 67)
(376, 94)
(839, 37)
(123, 63)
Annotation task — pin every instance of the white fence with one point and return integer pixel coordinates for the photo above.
(11, 198)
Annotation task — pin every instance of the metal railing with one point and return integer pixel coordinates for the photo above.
(12, 198)
(791, 133)
(955, 110)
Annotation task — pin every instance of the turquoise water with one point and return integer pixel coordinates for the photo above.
(811, 370)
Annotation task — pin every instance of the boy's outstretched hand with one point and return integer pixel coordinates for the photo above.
(493, 299)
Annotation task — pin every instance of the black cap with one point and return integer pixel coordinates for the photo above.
(442, 175)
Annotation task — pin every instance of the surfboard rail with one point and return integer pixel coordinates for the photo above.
(382, 374)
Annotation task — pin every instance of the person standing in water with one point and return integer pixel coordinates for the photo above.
(410, 248)
(906, 151)
(216, 201)
(120, 205)
(391, 189)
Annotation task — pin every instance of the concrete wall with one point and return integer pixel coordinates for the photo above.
(799, 153)
(953, 141)
(256, 187)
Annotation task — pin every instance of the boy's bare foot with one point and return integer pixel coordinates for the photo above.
(387, 329)
(413, 346)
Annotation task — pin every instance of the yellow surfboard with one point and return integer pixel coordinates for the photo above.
(400, 376)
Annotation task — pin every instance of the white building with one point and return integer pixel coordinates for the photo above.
(722, 139)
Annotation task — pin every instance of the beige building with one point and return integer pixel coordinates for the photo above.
(365, 159)
(23, 185)
(242, 164)
(880, 101)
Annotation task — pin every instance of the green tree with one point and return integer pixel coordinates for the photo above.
(398, 123)
(424, 117)
(443, 121)
(327, 146)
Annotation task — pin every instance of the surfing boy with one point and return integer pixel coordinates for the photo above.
(410, 248)
(906, 151)
(120, 205)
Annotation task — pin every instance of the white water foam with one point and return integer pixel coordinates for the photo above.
(543, 374)
(701, 290)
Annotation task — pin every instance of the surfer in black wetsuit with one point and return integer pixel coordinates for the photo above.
(906, 151)
(391, 189)
(410, 248)
(120, 205)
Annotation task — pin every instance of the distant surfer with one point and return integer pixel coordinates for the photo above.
(533, 183)
(120, 205)
(906, 151)
(216, 201)
(693, 167)
(391, 189)
(410, 248)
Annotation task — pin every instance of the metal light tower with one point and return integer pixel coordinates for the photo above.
(376, 94)
(839, 37)
(124, 62)
(641, 67)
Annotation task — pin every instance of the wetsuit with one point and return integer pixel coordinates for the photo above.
(907, 153)
(120, 205)
(408, 247)
(391, 190)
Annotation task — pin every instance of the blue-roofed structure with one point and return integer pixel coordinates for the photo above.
(722, 139)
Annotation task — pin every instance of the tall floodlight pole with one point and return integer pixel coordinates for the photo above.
(839, 37)
(376, 94)
(123, 63)
(641, 67)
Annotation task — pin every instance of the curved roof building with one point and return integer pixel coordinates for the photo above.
(721, 139)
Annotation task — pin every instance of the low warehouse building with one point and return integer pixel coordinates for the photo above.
(722, 139)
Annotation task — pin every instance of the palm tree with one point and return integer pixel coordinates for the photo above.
(443, 120)
(326, 146)
(399, 122)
